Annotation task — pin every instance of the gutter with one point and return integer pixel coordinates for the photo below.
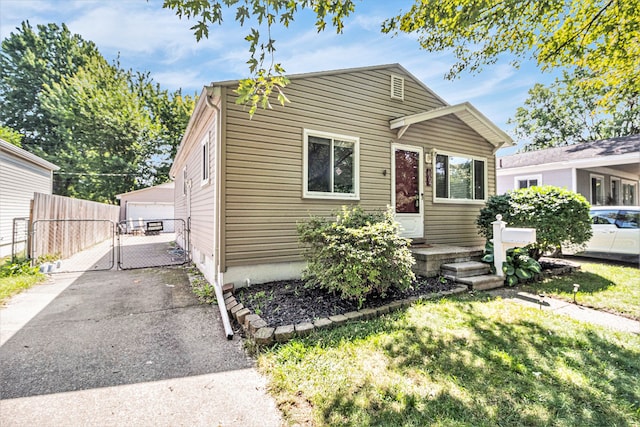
(217, 284)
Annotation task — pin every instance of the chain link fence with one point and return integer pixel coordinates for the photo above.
(20, 239)
(152, 243)
(73, 245)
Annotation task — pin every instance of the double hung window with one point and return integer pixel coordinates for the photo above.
(331, 169)
(460, 178)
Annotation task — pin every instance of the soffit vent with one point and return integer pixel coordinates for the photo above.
(397, 87)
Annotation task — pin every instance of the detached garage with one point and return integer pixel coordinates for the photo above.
(148, 203)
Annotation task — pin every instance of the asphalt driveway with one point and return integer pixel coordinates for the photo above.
(128, 347)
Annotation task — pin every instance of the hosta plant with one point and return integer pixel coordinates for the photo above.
(518, 266)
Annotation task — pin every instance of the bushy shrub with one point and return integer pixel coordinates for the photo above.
(357, 254)
(557, 214)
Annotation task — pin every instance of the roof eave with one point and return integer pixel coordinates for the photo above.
(485, 127)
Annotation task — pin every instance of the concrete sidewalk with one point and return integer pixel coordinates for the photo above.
(124, 348)
(570, 309)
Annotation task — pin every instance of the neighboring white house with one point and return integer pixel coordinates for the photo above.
(606, 172)
(148, 203)
(21, 174)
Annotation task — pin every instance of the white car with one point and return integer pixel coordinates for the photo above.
(616, 233)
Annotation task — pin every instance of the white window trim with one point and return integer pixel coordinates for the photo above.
(459, 201)
(617, 200)
(205, 150)
(184, 181)
(305, 167)
(527, 178)
(635, 191)
(591, 200)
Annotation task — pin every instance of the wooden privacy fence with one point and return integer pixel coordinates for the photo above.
(63, 226)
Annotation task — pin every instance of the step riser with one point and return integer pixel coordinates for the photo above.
(465, 273)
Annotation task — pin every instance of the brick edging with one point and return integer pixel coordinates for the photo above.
(257, 329)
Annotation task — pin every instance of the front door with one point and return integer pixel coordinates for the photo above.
(407, 190)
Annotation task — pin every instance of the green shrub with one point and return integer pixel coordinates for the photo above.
(557, 214)
(357, 255)
(518, 267)
(18, 268)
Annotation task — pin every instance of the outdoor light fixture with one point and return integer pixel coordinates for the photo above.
(576, 287)
(541, 299)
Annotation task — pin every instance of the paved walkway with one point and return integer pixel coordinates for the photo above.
(575, 311)
(124, 348)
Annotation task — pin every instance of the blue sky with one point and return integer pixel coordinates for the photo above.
(149, 38)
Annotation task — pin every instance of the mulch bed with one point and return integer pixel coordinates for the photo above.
(289, 302)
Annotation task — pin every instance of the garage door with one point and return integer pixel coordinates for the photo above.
(147, 211)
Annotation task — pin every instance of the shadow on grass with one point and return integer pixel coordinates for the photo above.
(478, 370)
(589, 283)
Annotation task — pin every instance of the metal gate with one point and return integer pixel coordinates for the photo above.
(20, 239)
(59, 246)
(73, 245)
(152, 243)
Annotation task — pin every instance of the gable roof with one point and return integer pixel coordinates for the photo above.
(465, 112)
(343, 71)
(625, 149)
(27, 156)
(167, 185)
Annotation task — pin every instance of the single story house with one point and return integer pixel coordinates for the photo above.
(148, 203)
(374, 136)
(21, 174)
(605, 172)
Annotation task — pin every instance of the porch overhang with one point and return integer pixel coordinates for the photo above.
(465, 112)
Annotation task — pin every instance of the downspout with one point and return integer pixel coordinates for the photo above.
(219, 277)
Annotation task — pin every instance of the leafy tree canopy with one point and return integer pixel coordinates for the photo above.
(565, 113)
(601, 36)
(110, 130)
(11, 136)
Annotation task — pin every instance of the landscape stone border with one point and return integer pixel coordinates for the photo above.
(256, 328)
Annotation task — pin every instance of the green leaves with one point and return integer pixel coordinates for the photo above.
(357, 255)
(110, 130)
(266, 76)
(557, 214)
(602, 37)
(566, 112)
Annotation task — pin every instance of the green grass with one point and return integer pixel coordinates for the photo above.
(603, 286)
(464, 361)
(13, 285)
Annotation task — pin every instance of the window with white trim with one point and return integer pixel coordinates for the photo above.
(597, 190)
(184, 181)
(331, 166)
(460, 178)
(205, 160)
(527, 181)
(629, 193)
(614, 195)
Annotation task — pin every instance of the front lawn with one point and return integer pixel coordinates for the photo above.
(603, 286)
(468, 360)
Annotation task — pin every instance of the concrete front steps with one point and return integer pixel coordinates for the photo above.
(430, 257)
(476, 275)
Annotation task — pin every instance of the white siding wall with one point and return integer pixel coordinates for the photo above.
(19, 179)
